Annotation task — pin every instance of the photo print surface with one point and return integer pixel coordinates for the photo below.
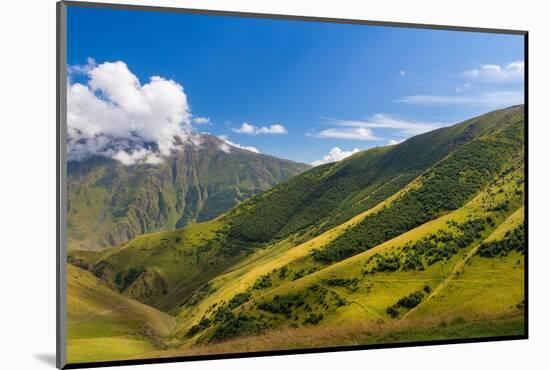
(239, 185)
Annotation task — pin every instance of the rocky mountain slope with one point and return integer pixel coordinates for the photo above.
(109, 203)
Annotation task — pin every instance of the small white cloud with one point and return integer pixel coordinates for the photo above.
(246, 129)
(490, 99)
(384, 121)
(335, 154)
(348, 133)
(395, 141)
(81, 69)
(495, 73)
(462, 87)
(201, 120)
(249, 129)
(225, 146)
(137, 156)
(402, 73)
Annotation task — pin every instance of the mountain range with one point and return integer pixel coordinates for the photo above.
(110, 203)
(423, 240)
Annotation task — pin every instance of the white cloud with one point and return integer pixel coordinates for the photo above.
(335, 154)
(395, 141)
(380, 120)
(490, 99)
(402, 73)
(495, 73)
(201, 120)
(115, 116)
(249, 129)
(137, 156)
(81, 69)
(462, 87)
(225, 146)
(348, 133)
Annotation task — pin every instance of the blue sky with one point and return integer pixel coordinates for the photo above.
(304, 88)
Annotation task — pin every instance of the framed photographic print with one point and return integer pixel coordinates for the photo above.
(235, 184)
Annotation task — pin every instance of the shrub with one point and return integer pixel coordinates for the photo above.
(513, 240)
(411, 301)
(283, 304)
(392, 311)
(238, 326)
(263, 282)
(283, 272)
(313, 319)
(406, 303)
(500, 207)
(222, 313)
(203, 324)
(385, 264)
(299, 274)
(239, 299)
(349, 284)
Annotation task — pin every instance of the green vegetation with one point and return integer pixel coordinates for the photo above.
(313, 319)
(430, 249)
(514, 240)
(283, 304)
(239, 325)
(389, 245)
(109, 203)
(406, 303)
(239, 299)
(200, 294)
(350, 284)
(202, 325)
(328, 195)
(224, 314)
(175, 266)
(283, 272)
(263, 282)
(129, 277)
(446, 187)
(103, 325)
(327, 335)
(385, 263)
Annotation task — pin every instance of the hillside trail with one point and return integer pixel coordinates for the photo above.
(367, 309)
(455, 272)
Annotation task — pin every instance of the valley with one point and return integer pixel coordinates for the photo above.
(419, 241)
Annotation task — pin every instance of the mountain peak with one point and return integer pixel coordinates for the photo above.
(195, 184)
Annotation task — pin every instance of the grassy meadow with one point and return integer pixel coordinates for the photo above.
(374, 249)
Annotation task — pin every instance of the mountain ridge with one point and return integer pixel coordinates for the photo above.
(109, 203)
(430, 249)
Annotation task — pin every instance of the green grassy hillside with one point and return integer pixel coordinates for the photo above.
(372, 249)
(109, 203)
(331, 194)
(164, 269)
(444, 187)
(103, 325)
(367, 285)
